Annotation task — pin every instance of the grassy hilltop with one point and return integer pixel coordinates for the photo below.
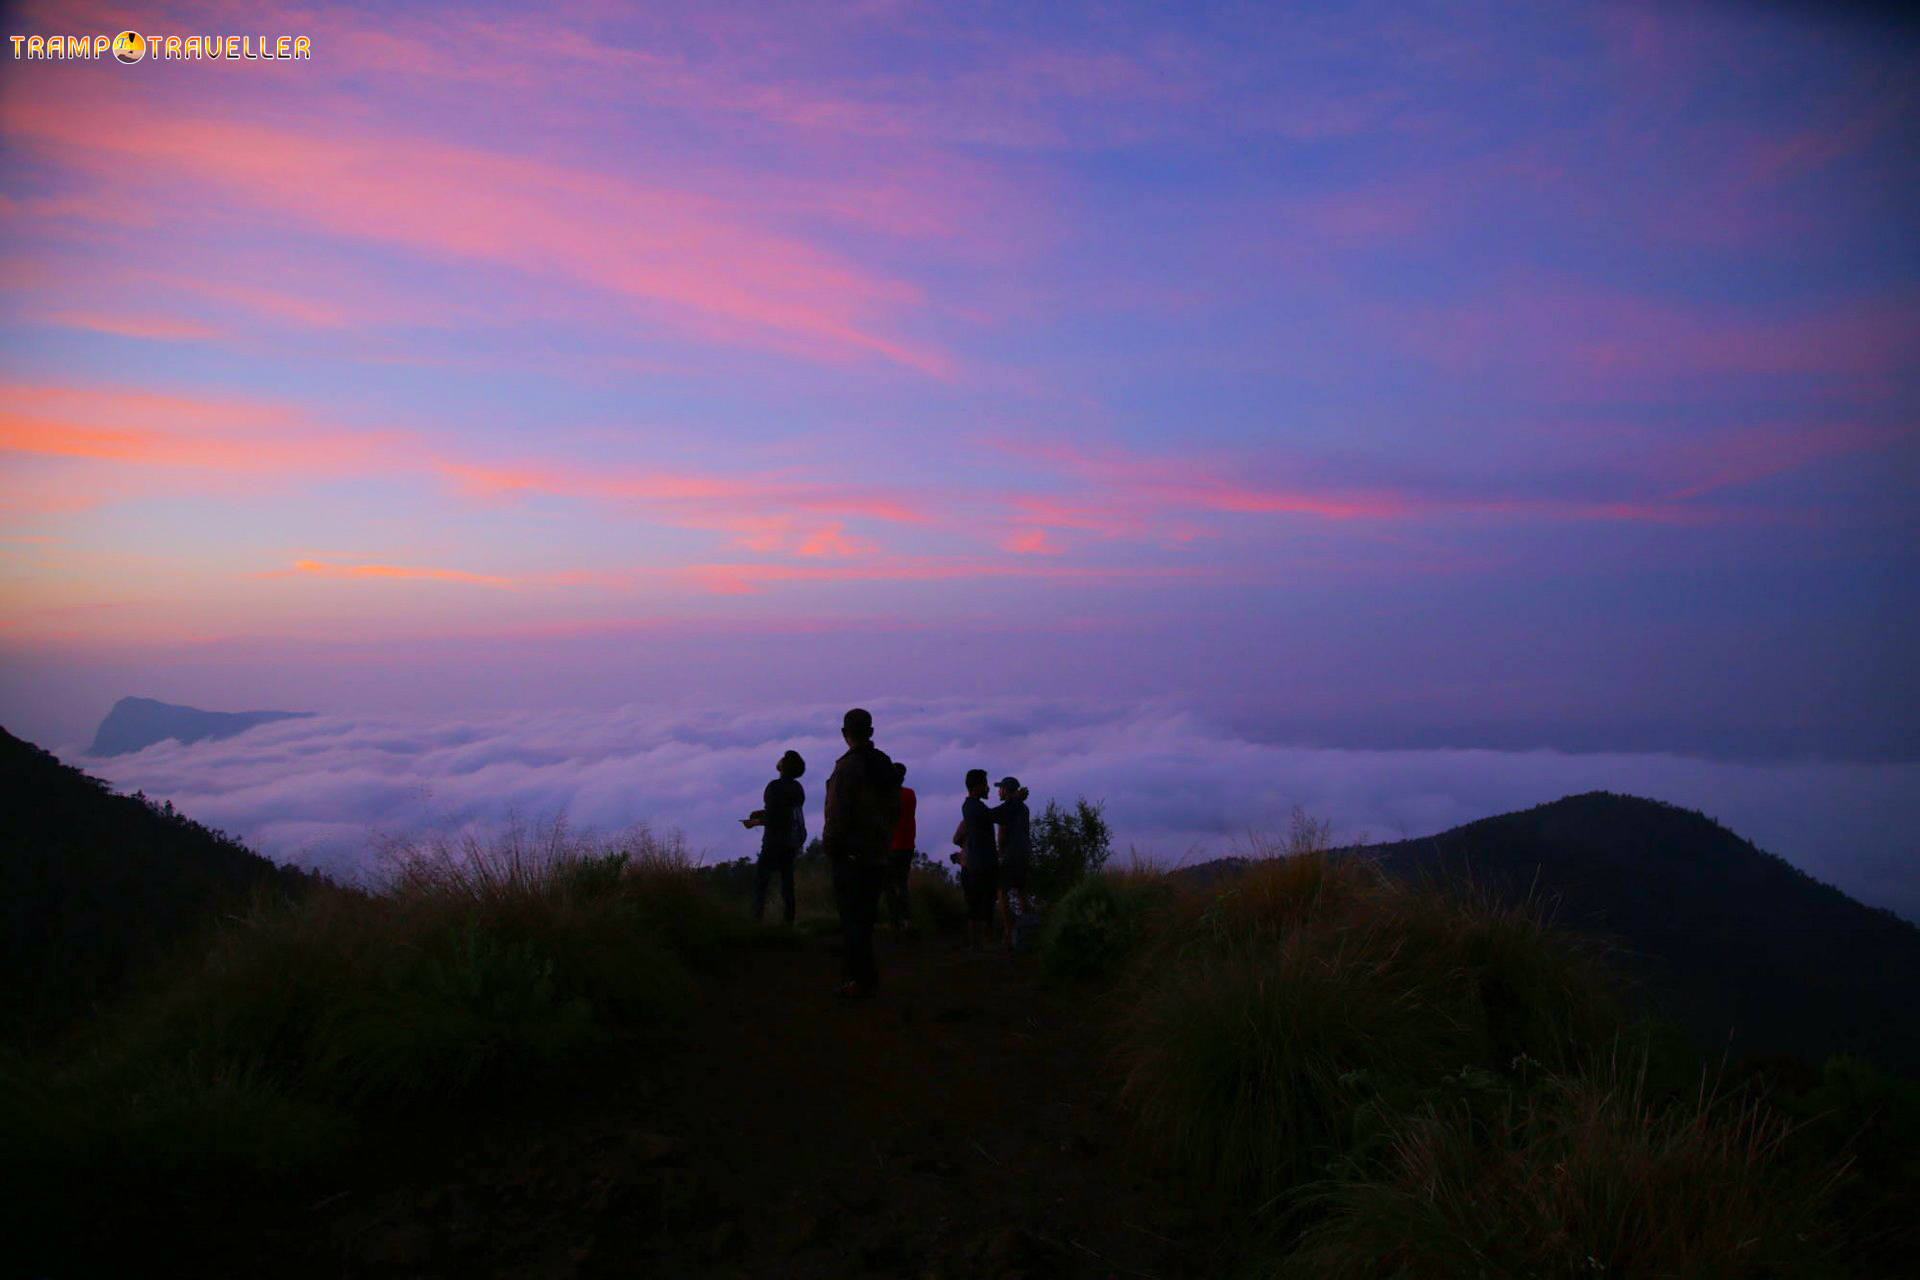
(541, 1053)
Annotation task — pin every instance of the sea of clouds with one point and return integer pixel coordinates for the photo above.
(322, 791)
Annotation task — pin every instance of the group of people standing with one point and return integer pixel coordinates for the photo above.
(869, 839)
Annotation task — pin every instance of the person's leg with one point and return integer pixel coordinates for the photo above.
(979, 907)
(1017, 890)
(872, 879)
(901, 869)
(786, 882)
(1006, 918)
(762, 870)
(986, 888)
(856, 925)
(842, 896)
(857, 908)
(966, 898)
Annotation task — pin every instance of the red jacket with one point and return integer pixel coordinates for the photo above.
(903, 830)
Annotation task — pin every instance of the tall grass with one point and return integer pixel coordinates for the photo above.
(1265, 1012)
(479, 959)
(1387, 1079)
(1581, 1176)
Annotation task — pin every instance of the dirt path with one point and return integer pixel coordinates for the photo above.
(958, 1126)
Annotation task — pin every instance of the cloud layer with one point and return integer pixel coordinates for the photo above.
(1176, 785)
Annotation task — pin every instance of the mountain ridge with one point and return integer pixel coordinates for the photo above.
(134, 724)
(94, 884)
(1747, 951)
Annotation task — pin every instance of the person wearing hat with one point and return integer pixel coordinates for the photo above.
(863, 806)
(1016, 848)
(979, 857)
(782, 821)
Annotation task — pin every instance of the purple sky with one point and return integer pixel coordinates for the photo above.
(1380, 376)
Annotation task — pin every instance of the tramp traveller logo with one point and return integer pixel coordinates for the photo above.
(130, 47)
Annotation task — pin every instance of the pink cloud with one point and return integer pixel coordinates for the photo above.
(1135, 487)
(157, 328)
(1031, 542)
(321, 569)
(288, 308)
(217, 435)
(753, 506)
(1134, 495)
(683, 259)
(831, 540)
(753, 578)
(762, 511)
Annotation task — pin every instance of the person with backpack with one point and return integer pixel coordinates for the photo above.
(863, 806)
(900, 855)
(782, 819)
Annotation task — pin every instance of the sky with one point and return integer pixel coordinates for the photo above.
(1367, 378)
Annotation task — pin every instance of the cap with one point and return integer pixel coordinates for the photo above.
(1010, 782)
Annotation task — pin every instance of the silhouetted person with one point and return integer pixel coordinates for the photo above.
(900, 855)
(783, 832)
(863, 804)
(1016, 848)
(979, 858)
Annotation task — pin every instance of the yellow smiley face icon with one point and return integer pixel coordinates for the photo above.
(129, 47)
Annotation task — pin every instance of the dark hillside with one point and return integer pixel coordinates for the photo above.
(134, 723)
(1736, 942)
(92, 883)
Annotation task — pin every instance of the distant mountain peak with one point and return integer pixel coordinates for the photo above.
(137, 723)
(1745, 948)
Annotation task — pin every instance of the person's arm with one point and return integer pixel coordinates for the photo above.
(769, 801)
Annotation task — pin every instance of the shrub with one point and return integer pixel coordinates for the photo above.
(936, 899)
(1097, 925)
(1068, 846)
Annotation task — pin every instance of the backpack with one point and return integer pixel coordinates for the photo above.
(870, 792)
